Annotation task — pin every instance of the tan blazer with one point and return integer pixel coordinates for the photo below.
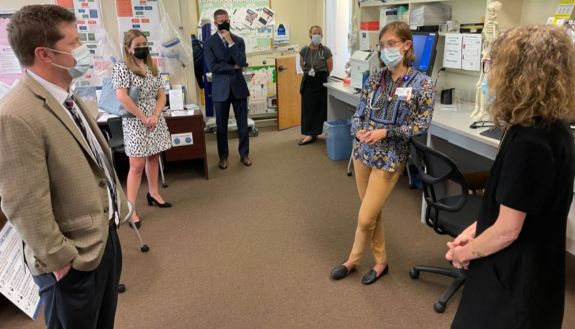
(52, 189)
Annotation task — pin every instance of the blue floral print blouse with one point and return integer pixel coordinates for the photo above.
(401, 118)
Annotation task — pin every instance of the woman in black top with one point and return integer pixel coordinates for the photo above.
(515, 252)
(317, 63)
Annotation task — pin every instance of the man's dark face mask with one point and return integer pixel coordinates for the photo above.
(224, 26)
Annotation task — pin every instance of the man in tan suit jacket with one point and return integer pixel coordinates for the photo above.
(58, 187)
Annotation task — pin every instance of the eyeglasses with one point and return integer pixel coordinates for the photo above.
(388, 44)
(486, 65)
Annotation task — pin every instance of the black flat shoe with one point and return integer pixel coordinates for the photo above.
(152, 201)
(372, 276)
(305, 142)
(340, 272)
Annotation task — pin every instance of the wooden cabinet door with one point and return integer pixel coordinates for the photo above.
(289, 98)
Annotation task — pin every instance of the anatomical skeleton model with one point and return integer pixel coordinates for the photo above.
(490, 33)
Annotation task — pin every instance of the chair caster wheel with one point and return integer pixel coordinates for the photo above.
(413, 273)
(439, 307)
(121, 288)
(349, 174)
(144, 248)
(164, 185)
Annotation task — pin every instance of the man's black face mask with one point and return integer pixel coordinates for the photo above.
(224, 26)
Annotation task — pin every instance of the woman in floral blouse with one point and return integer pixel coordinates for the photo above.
(395, 104)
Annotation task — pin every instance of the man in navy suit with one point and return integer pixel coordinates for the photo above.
(225, 55)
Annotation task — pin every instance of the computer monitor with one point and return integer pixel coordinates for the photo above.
(424, 46)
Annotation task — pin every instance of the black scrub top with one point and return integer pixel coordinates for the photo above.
(523, 285)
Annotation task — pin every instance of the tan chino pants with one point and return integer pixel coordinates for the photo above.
(374, 187)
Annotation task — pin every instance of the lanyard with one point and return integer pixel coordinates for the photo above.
(315, 58)
(382, 87)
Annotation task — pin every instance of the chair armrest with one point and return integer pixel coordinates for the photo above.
(107, 135)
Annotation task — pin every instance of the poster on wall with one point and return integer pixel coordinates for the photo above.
(143, 15)
(90, 28)
(88, 20)
(10, 70)
(262, 88)
(16, 282)
(252, 20)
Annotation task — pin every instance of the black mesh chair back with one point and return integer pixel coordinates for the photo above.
(450, 208)
(116, 140)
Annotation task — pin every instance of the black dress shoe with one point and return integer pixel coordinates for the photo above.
(372, 276)
(246, 161)
(152, 201)
(340, 272)
(223, 164)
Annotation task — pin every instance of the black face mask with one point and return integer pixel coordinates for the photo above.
(141, 52)
(224, 26)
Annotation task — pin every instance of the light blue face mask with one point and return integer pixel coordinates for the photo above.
(485, 90)
(83, 61)
(316, 39)
(391, 57)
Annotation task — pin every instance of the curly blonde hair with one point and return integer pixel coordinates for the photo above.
(532, 74)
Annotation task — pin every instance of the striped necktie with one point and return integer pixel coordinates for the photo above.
(69, 105)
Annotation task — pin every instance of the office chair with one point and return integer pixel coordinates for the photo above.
(116, 143)
(450, 208)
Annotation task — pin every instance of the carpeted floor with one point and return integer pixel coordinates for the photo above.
(253, 247)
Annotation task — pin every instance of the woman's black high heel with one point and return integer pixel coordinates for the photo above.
(152, 201)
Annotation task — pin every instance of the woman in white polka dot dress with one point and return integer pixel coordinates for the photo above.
(146, 134)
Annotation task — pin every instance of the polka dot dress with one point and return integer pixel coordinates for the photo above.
(139, 141)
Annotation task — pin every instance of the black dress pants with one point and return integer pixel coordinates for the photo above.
(84, 299)
(222, 110)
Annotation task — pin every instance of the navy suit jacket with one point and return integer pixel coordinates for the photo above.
(221, 60)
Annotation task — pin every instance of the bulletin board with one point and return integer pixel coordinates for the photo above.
(90, 29)
(252, 20)
(88, 20)
(143, 15)
(10, 70)
(262, 87)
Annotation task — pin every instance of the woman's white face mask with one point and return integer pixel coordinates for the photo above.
(391, 57)
(316, 39)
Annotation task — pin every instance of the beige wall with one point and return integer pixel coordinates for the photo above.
(299, 15)
(537, 11)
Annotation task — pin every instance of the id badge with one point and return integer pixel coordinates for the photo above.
(404, 93)
(311, 72)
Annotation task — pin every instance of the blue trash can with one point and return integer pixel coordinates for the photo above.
(338, 139)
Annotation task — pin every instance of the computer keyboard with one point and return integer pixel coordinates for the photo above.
(493, 132)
